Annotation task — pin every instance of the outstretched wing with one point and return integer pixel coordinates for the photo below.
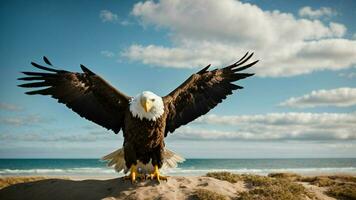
(85, 93)
(203, 91)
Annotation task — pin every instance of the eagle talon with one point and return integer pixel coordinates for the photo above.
(134, 175)
(156, 175)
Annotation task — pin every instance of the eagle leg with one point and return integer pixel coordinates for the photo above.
(134, 174)
(156, 175)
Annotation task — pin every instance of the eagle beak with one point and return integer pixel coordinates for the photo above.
(147, 105)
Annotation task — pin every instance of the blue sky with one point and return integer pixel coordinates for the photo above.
(301, 103)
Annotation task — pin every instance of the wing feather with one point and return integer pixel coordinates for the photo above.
(85, 93)
(203, 91)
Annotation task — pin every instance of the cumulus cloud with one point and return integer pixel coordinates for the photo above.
(9, 107)
(317, 13)
(340, 97)
(108, 16)
(107, 53)
(81, 137)
(276, 126)
(263, 127)
(91, 136)
(22, 120)
(87, 133)
(218, 32)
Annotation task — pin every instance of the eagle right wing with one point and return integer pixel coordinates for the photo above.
(203, 91)
(85, 93)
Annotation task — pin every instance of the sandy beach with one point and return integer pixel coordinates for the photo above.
(219, 185)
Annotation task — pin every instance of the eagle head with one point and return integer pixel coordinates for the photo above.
(147, 105)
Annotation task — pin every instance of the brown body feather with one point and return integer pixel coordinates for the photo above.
(96, 100)
(144, 139)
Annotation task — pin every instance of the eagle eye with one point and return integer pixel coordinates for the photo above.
(153, 100)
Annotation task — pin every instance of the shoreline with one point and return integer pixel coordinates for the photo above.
(121, 174)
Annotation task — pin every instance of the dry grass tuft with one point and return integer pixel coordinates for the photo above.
(343, 178)
(320, 181)
(203, 194)
(7, 181)
(339, 186)
(289, 176)
(267, 188)
(323, 182)
(276, 187)
(225, 176)
(343, 191)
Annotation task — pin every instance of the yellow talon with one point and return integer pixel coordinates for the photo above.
(157, 175)
(134, 174)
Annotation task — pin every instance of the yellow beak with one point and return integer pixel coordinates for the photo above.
(146, 104)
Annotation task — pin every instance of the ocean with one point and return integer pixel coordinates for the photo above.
(191, 167)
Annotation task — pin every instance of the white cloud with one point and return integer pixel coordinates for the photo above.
(318, 13)
(218, 32)
(108, 16)
(107, 53)
(276, 126)
(74, 137)
(182, 57)
(22, 120)
(88, 133)
(9, 107)
(340, 97)
(125, 22)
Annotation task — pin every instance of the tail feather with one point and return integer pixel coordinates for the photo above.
(116, 159)
(171, 159)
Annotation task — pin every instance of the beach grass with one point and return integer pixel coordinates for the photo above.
(339, 186)
(289, 176)
(225, 176)
(342, 191)
(7, 181)
(204, 194)
(266, 187)
(320, 181)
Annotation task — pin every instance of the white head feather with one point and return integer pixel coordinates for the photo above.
(156, 110)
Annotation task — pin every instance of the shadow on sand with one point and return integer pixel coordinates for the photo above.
(53, 189)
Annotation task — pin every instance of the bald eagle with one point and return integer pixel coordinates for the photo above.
(145, 119)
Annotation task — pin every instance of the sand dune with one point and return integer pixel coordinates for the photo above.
(204, 188)
(175, 188)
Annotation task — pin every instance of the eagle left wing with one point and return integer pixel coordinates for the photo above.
(85, 93)
(203, 91)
